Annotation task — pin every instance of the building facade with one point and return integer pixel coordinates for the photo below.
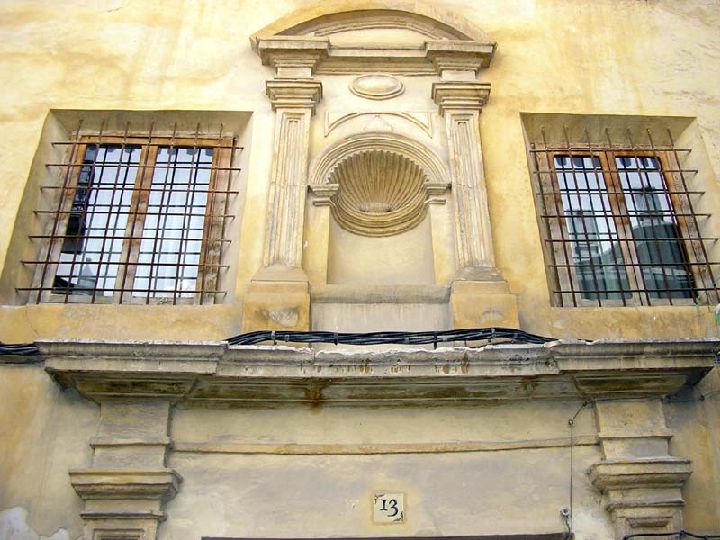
(178, 173)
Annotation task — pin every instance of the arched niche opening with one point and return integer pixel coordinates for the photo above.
(379, 234)
(377, 187)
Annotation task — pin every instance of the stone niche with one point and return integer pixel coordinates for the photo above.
(377, 213)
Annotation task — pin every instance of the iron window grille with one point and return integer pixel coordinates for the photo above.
(136, 218)
(620, 225)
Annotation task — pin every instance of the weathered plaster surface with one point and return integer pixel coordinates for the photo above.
(613, 57)
(43, 433)
(266, 472)
(14, 526)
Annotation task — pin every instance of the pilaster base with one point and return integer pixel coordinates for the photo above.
(277, 305)
(483, 304)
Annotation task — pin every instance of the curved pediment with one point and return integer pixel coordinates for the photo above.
(377, 26)
(372, 40)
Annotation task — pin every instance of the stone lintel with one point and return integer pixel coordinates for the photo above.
(460, 96)
(294, 93)
(303, 56)
(267, 375)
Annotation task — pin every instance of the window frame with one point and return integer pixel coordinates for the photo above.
(563, 279)
(209, 265)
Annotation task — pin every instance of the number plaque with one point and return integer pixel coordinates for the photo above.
(388, 507)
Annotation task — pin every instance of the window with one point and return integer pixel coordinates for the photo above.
(620, 225)
(136, 219)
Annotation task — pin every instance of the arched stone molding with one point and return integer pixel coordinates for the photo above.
(325, 18)
(336, 43)
(431, 164)
(378, 204)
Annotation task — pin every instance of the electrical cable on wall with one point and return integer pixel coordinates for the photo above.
(440, 337)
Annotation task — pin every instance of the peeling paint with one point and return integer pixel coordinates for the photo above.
(14, 526)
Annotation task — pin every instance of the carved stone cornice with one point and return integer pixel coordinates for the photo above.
(305, 56)
(460, 96)
(293, 93)
(267, 374)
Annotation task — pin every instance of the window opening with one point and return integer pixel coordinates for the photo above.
(138, 218)
(620, 224)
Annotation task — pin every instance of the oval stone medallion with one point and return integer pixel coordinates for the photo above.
(376, 87)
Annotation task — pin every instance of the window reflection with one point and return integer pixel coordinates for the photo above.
(93, 242)
(596, 253)
(661, 256)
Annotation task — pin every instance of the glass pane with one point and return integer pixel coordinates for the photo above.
(93, 241)
(171, 245)
(596, 255)
(661, 256)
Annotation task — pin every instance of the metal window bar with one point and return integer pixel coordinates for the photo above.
(620, 222)
(128, 218)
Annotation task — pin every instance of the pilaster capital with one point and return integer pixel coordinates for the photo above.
(293, 93)
(135, 484)
(293, 57)
(460, 96)
(322, 193)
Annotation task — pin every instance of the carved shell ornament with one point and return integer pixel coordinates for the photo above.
(376, 86)
(380, 193)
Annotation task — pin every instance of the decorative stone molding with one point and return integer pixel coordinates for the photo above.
(376, 86)
(421, 120)
(372, 19)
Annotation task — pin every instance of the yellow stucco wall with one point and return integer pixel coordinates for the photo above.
(601, 57)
